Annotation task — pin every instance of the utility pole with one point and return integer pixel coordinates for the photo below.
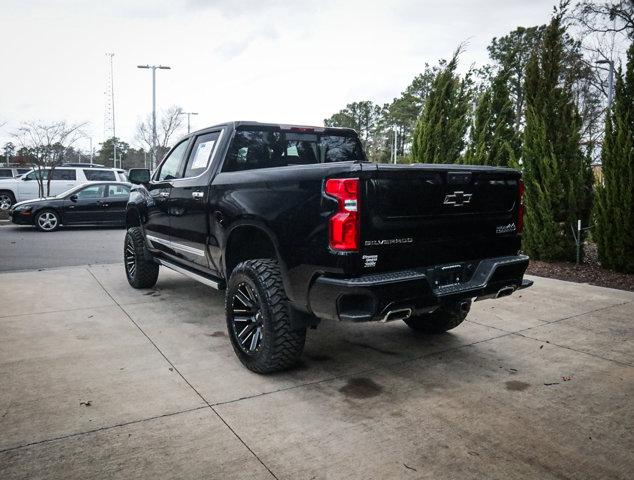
(111, 112)
(189, 114)
(154, 68)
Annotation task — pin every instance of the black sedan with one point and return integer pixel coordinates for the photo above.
(95, 203)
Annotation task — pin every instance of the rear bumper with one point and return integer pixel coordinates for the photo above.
(373, 297)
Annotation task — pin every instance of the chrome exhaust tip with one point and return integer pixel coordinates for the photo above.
(400, 314)
(504, 292)
(465, 306)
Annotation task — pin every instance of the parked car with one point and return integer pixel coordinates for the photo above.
(27, 187)
(297, 226)
(10, 172)
(94, 203)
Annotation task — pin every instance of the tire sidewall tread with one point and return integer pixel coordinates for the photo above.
(281, 345)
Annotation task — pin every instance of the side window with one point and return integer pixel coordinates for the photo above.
(118, 191)
(22, 171)
(201, 154)
(171, 167)
(35, 174)
(93, 191)
(99, 175)
(6, 173)
(64, 174)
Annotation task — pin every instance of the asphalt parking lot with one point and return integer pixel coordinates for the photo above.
(102, 381)
(24, 247)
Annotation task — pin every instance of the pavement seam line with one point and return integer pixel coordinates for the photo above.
(607, 307)
(618, 362)
(101, 429)
(183, 377)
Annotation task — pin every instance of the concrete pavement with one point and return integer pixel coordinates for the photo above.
(102, 381)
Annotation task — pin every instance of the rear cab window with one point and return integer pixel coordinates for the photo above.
(265, 147)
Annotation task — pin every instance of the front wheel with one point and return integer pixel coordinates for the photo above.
(140, 269)
(257, 318)
(47, 221)
(441, 320)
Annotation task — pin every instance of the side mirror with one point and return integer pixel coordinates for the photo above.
(139, 175)
(25, 178)
(73, 197)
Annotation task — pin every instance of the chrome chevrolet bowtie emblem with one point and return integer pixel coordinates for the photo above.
(457, 199)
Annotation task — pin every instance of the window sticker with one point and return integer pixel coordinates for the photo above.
(203, 153)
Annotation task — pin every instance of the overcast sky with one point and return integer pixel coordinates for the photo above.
(279, 61)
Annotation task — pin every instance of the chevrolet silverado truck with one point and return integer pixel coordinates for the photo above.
(297, 226)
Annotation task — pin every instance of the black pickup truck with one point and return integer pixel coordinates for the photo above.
(297, 226)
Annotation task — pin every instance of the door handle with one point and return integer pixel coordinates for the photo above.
(164, 194)
(198, 194)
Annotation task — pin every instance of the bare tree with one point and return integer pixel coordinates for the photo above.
(606, 16)
(47, 143)
(168, 124)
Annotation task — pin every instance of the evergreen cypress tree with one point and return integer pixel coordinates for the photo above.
(439, 136)
(614, 209)
(556, 173)
(493, 140)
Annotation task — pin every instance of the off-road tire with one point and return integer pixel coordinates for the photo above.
(144, 272)
(47, 225)
(441, 320)
(280, 345)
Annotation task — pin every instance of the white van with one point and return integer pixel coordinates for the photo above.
(26, 187)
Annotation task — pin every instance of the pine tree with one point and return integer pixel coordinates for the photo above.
(556, 173)
(439, 136)
(614, 209)
(493, 140)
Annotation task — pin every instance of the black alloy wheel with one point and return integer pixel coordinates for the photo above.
(140, 269)
(246, 319)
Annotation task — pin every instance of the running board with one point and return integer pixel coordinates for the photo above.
(217, 284)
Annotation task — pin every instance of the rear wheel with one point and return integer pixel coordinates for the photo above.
(441, 320)
(47, 220)
(257, 318)
(6, 200)
(140, 269)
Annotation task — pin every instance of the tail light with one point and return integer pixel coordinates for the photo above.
(344, 225)
(520, 208)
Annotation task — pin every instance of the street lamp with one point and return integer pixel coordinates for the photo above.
(189, 114)
(154, 68)
(610, 79)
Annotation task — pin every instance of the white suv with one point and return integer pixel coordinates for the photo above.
(26, 187)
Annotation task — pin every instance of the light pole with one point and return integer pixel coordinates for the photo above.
(189, 114)
(610, 79)
(154, 68)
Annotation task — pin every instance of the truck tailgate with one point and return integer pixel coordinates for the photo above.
(420, 215)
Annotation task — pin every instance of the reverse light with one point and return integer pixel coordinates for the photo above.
(344, 225)
(520, 209)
